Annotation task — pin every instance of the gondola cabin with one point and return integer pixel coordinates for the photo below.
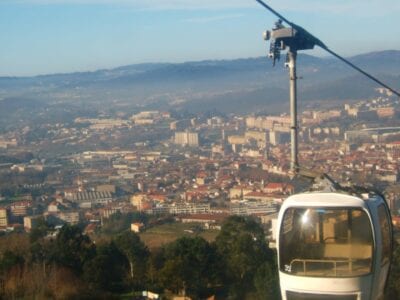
(334, 246)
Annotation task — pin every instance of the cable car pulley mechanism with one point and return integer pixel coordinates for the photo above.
(296, 38)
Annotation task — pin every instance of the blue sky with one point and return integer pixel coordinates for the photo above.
(51, 36)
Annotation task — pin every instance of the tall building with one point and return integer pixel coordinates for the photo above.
(3, 217)
(269, 122)
(187, 138)
(278, 138)
(393, 151)
(236, 140)
(260, 137)
(21, 208)
(386, 112)
(193, 138)
(30, 222)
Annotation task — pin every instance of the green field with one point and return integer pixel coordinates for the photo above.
(163, 234)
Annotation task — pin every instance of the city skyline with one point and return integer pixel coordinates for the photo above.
(44, 37)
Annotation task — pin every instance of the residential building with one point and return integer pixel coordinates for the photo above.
(88, 199)
(30, 222)
(187, 138)
(137, 227)
(3, 217)
(278, 137)
(393, 152)
(181, 208)
(253, 208)
(21, 208)
(260, 137)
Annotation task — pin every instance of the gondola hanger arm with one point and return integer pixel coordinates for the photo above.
(305, 34)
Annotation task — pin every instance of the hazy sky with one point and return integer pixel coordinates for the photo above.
(50, 36)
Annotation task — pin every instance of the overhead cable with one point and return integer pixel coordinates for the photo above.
(323, 46)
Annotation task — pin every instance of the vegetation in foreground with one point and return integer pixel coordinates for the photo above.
(237, 265)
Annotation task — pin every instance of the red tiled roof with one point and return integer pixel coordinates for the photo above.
(275, 185)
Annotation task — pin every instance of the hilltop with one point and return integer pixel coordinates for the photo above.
(247, 85)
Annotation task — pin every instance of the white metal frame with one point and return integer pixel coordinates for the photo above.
(363, 287)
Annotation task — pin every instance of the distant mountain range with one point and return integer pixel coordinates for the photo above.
(241, 85)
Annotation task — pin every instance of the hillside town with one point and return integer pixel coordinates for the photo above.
(197, 169)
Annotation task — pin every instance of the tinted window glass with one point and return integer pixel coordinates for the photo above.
(323, 242)
(385, 233)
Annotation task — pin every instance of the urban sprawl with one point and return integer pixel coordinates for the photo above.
(196, 169)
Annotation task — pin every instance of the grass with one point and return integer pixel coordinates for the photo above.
(163, 234)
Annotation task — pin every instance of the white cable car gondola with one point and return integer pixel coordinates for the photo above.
(334, 245)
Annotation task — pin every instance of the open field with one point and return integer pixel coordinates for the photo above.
(163, 234)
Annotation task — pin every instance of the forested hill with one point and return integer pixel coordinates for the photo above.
(222, 84)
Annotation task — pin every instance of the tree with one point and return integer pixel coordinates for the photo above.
(40, 254)
(241, 243)
(106, 271)
(155, 263)
(11, 269)
(266, 282)
(65, 284)
(39, 230)
(10, 260)
(137, 254)
(190, 266)
(72, 248)
(393, 285)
